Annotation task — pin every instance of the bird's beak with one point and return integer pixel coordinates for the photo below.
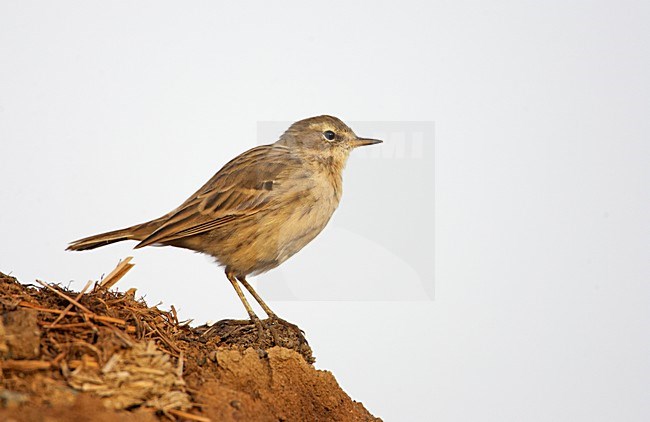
(359, 142)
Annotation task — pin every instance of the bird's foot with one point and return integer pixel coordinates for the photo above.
(279, 329)
(261, 329)
(276, 319)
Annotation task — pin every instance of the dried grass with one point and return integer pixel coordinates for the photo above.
(104, 342)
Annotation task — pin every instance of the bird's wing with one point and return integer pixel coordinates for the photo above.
(258, 179)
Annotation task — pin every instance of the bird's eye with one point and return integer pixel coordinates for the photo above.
(329, 135)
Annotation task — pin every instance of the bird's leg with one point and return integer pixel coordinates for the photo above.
(264, 306)
(257, 297)
(254, 318)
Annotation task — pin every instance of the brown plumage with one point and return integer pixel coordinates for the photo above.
(260, 208)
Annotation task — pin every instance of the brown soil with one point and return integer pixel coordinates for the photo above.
(105, 356)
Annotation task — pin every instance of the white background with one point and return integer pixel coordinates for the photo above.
(112, 114)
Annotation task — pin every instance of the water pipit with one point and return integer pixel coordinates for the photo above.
(258, 210)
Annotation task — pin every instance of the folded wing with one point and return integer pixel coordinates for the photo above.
(254, 181)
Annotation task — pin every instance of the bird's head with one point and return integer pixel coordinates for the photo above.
(323, 135)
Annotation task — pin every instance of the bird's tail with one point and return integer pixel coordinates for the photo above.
(137, 232)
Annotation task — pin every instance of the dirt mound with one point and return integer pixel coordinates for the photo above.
(105, 356)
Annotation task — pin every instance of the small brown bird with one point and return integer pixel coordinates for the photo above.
(260, 208)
